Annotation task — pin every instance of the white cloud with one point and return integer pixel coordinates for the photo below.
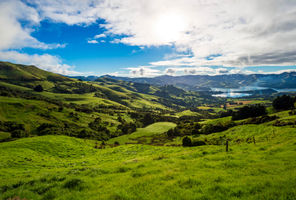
(143, 71)
(44, 61)
(71, 12)
(92, 41)
(100, 36)
(13, 34)
(17, 22)
(244, 33)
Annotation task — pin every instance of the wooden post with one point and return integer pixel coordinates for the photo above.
(254, 140)
(226, 145)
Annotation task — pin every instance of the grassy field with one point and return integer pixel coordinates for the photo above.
(143, 135)
(60, 167)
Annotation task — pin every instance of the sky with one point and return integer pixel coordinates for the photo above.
(147, 38)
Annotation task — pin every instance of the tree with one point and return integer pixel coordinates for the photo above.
(186, 141)
(148, 119)
(284, 102)
(38, 88)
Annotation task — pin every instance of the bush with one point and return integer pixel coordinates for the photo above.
(213, 128)
(261, 119)
(47, 129)
(198, 143)
(186, 142)
(148, 119)
(38, 88)
(19, 134)
(74, 184)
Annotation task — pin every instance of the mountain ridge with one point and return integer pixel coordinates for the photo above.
(206, 82)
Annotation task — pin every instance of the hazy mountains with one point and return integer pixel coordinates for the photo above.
(205, 82)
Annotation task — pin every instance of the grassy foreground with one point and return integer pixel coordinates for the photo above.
(61, 167)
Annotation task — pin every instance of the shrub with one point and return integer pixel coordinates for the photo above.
(187, 141)
(148, 119)
(38, 88)
(74, 183)
(198, 143)
(261, 119)
(19, 133)
(213, 128)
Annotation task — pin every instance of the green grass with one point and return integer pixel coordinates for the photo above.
(144, 133)
(60, 167)
(215, 121)
(4, 135)
(187, 113)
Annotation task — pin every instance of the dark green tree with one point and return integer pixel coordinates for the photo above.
(38, 88)
(283, 102)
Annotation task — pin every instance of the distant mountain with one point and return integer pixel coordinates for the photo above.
(85, 78)
(206, 82)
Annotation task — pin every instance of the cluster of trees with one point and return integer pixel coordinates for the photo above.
(217, 127)
(10, 92)
(17, 130)
(98, 126)
(74, 88)
(184, 128)
(71, 129)
(284, 102)
(249, 111)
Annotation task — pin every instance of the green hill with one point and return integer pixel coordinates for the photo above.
(60, 167)
(68, 106)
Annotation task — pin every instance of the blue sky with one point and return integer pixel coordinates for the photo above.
(98, 58)
(150, 38)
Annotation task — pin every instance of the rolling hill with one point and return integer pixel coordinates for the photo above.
(61, 167)
(73, 107)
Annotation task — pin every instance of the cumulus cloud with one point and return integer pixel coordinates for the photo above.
(17, 21)
(243, 33)
(44, 61)
(12, 34)
(16, 35)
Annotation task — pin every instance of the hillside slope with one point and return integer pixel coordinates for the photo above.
(60, 167)
(80, 108)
